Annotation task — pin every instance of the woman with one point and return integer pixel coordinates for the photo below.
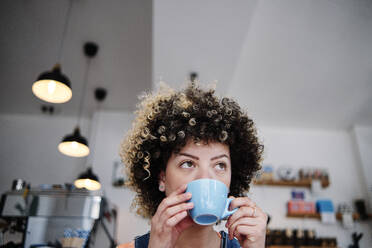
(181, 136)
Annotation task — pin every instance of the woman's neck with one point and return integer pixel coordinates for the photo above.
(198, 236)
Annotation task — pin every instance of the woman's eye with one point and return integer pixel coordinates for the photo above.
(187, 165)
(221, 166)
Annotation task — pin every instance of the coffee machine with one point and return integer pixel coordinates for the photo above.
(48, 217)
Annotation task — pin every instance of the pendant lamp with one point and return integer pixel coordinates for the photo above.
(88, 180)
(52, 86)
(74, 144)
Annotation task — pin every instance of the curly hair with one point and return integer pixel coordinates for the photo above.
(166, 120)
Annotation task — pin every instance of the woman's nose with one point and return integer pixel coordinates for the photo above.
(204, 172)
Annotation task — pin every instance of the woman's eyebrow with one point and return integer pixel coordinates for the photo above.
(188, 155)
(219, 156)
(196, 158)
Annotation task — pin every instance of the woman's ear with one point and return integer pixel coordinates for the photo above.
(162, 181)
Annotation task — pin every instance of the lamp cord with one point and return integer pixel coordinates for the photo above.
(67, 19)
(82, 101)
(94, 135)
(84, 90)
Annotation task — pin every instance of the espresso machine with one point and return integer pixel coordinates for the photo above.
(56, 217)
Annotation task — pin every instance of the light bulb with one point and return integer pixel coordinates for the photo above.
(51, 87)
(87, 183)
(74, 145)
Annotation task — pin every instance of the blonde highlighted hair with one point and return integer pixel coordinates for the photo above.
(166, 120)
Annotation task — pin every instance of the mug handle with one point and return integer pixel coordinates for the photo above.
(227, 212)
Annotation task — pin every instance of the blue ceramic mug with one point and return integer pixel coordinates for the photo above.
(210, 201)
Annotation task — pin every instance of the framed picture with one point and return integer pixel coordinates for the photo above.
(118, 174)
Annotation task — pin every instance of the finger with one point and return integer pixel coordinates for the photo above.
(241, 201)
(180, 190)
(242, 232)
(171, 211)
(243, 221)
(184, 224)
(240, 213)
(172, 201)
(174, 198)
(247, 232)
(230, 207)
(171, 222)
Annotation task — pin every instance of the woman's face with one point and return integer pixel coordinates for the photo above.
(195, 161)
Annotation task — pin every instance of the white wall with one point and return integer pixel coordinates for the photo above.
(109, 129)
(299, 148)
(29, 151)
(363, 138)
(295, 147)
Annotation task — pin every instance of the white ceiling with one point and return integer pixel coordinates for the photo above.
(309, 63)
(31, 32)
(297, 63)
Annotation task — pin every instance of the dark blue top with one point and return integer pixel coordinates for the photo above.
(143, 241)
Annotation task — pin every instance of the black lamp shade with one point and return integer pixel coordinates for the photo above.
(52, 86)
(88, 180)
(76, 136)
(74, 145)
(88, 174)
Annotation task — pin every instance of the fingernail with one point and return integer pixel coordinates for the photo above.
(252, 239)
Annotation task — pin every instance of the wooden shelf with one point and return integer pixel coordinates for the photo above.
(317, 216)
(279, 246)
(290, 246)
(309, 216)
(302, 183)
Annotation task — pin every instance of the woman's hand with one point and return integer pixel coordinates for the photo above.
(170, 219)
(247, 224)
